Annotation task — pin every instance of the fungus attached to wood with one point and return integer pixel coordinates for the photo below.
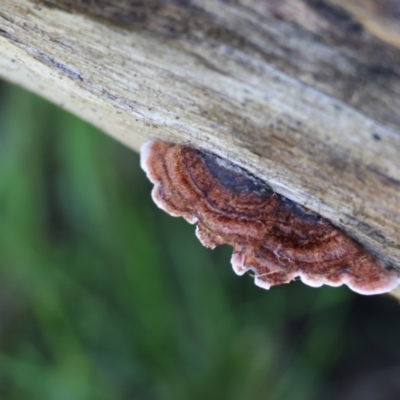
(271, 235)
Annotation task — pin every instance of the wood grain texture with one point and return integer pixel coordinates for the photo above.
(304, 94)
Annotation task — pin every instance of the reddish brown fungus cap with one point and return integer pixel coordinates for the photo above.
(272, 236)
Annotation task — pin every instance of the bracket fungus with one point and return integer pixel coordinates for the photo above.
(271, 235)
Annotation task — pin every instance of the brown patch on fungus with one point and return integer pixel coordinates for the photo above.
(271, 235)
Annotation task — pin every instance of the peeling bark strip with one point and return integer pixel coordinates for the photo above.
(302, 93)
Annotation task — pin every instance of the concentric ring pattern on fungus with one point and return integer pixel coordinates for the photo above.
(272, 236)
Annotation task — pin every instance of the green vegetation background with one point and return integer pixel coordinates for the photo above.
(103, 296)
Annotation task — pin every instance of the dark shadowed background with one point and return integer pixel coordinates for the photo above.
(103, 296)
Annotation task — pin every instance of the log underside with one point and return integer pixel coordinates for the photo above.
(303, 93)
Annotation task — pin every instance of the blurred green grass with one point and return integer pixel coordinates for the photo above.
(103, 296)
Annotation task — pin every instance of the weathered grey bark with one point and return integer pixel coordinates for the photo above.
(303, 93)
